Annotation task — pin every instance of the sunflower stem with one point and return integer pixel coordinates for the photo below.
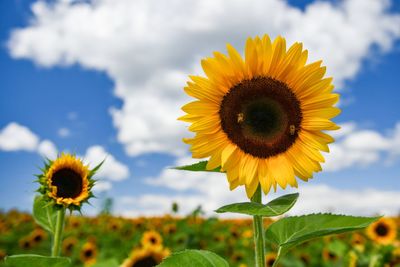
(57, 238)
(258, 232)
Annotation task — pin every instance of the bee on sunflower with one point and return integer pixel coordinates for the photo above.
(383, 231)
(262, 119)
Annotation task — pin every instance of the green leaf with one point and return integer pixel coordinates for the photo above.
(32, 260)
(45, 214)
(292, 231)
(198, 258)
(197, 167)
(107, 263)
(275, 207)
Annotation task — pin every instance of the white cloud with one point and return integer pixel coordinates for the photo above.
(317, 198)
(361, 147)
(14, 137)
(47, 149)
(211, 190)
(111, 169)
(148, 48)
(102, 186)
(64, 132)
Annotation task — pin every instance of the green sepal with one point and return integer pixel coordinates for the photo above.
(197, 167)
(273, 208)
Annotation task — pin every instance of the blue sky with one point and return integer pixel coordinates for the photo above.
(75, 97)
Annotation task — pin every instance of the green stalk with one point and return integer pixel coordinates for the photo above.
(258, 232)
(57, 238)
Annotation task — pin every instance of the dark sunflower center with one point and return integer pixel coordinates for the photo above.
(153, 240)
(381, 230)
(331, 256)
(68, 183)
(262, 116)
(69, 247)
(146, 262)
(37, 238)
(88, 253)
(270, 262)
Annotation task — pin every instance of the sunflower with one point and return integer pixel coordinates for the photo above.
(262, 119)
(25, 243)
(151, 239)
(328, 255)
(169, 229)
(383, 231)
(37, 236)
(270, 259)
(146, 257)
(88, 253)
(68, 245)
(237, 257)
(3, 254)
(66, 181)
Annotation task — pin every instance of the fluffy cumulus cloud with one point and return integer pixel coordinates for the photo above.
(193, 188)
(111, 169)
(47, 149)
(149, 47)
(17, 137)
(14, 137)
(361, 147)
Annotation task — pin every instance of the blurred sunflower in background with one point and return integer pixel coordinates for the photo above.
(69, 245)
(151, 239)
(37, 236)
(88, 253)
(66, 181)
(262, 119)
(146, 257)
(329, 256)
(270, 259)
(383, 231)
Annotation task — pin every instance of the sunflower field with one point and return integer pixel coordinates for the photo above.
(111, 241)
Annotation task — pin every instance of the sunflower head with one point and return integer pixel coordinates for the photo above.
(151, 239)
(68, 245)
(37, 236)
(270, 259)
(66, 181)
(329, 256)
(262, 119)
(383, 231)
(146, 257)
(88, 253)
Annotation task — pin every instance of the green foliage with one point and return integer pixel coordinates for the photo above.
(45, 214)
(198, 258)
(107, 263)
(275, 207)
(197, 167)
(32, 260)
(292, 231)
